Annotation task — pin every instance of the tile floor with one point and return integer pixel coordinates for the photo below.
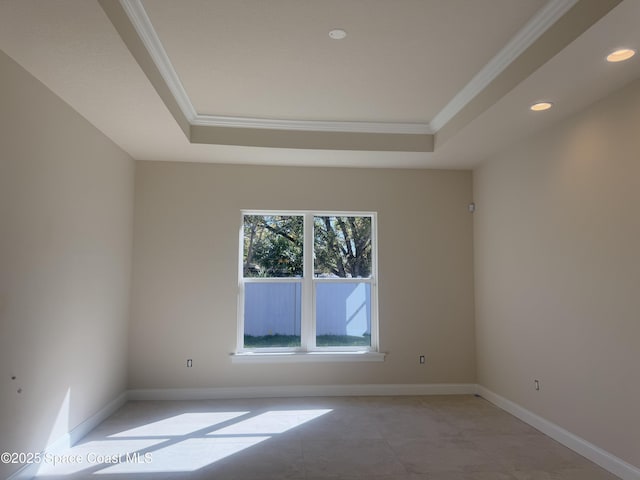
(338, 438)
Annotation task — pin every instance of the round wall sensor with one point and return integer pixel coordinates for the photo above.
(337, 34)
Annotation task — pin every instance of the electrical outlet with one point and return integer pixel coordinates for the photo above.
(189, 363)
(422, 360)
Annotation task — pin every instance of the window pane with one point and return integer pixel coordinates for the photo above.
(273, 245)
(272, 315)
(342, 247)
(343, 314)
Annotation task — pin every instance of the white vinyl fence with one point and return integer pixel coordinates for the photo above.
(274, 308)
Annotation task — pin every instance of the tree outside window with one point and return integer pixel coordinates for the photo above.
(308, 281)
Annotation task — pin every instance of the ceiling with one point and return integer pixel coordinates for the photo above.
(416, 83)
(402, 61)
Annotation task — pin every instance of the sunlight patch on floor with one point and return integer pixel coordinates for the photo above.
(182, 424)
(273, 422)
(180, 443)
(91, 454)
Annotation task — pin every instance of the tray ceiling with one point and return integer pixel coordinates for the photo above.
(413, 84)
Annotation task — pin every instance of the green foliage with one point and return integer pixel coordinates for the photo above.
(343, 246)
(277, 340)
(273, 246)
(343, 341)
(266, 341)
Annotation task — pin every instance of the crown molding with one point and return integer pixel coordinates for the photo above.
(142, 24)
(539, 23)
(312, 125)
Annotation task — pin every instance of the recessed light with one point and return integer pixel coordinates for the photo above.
(337, 34)
(541, 106)
(621, 55)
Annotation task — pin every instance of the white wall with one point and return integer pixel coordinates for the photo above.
(66, 222)
(557, 272)
(184, 298)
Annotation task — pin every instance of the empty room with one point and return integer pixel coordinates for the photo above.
(320, 239)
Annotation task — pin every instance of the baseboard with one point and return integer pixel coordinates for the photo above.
(27, 472)
(302, 391)
(606, 460)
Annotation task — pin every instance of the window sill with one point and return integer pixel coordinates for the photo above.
(296, 357)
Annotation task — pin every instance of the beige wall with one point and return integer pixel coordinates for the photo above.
(66, 211)
(184, 299)
(557, 272)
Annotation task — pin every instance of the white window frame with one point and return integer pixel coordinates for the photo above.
(308, 301)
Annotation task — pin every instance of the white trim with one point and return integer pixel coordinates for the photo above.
(240, 293)
(79, 431)
(69, 439)
(606, 460)
(539, 23)
(142, 24)
(308, 311)
(312, 125)
(308, 351)
(370, 280)
(307, 356)
(271, 279)
(302, 391)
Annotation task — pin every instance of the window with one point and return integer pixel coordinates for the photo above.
(307, 282)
